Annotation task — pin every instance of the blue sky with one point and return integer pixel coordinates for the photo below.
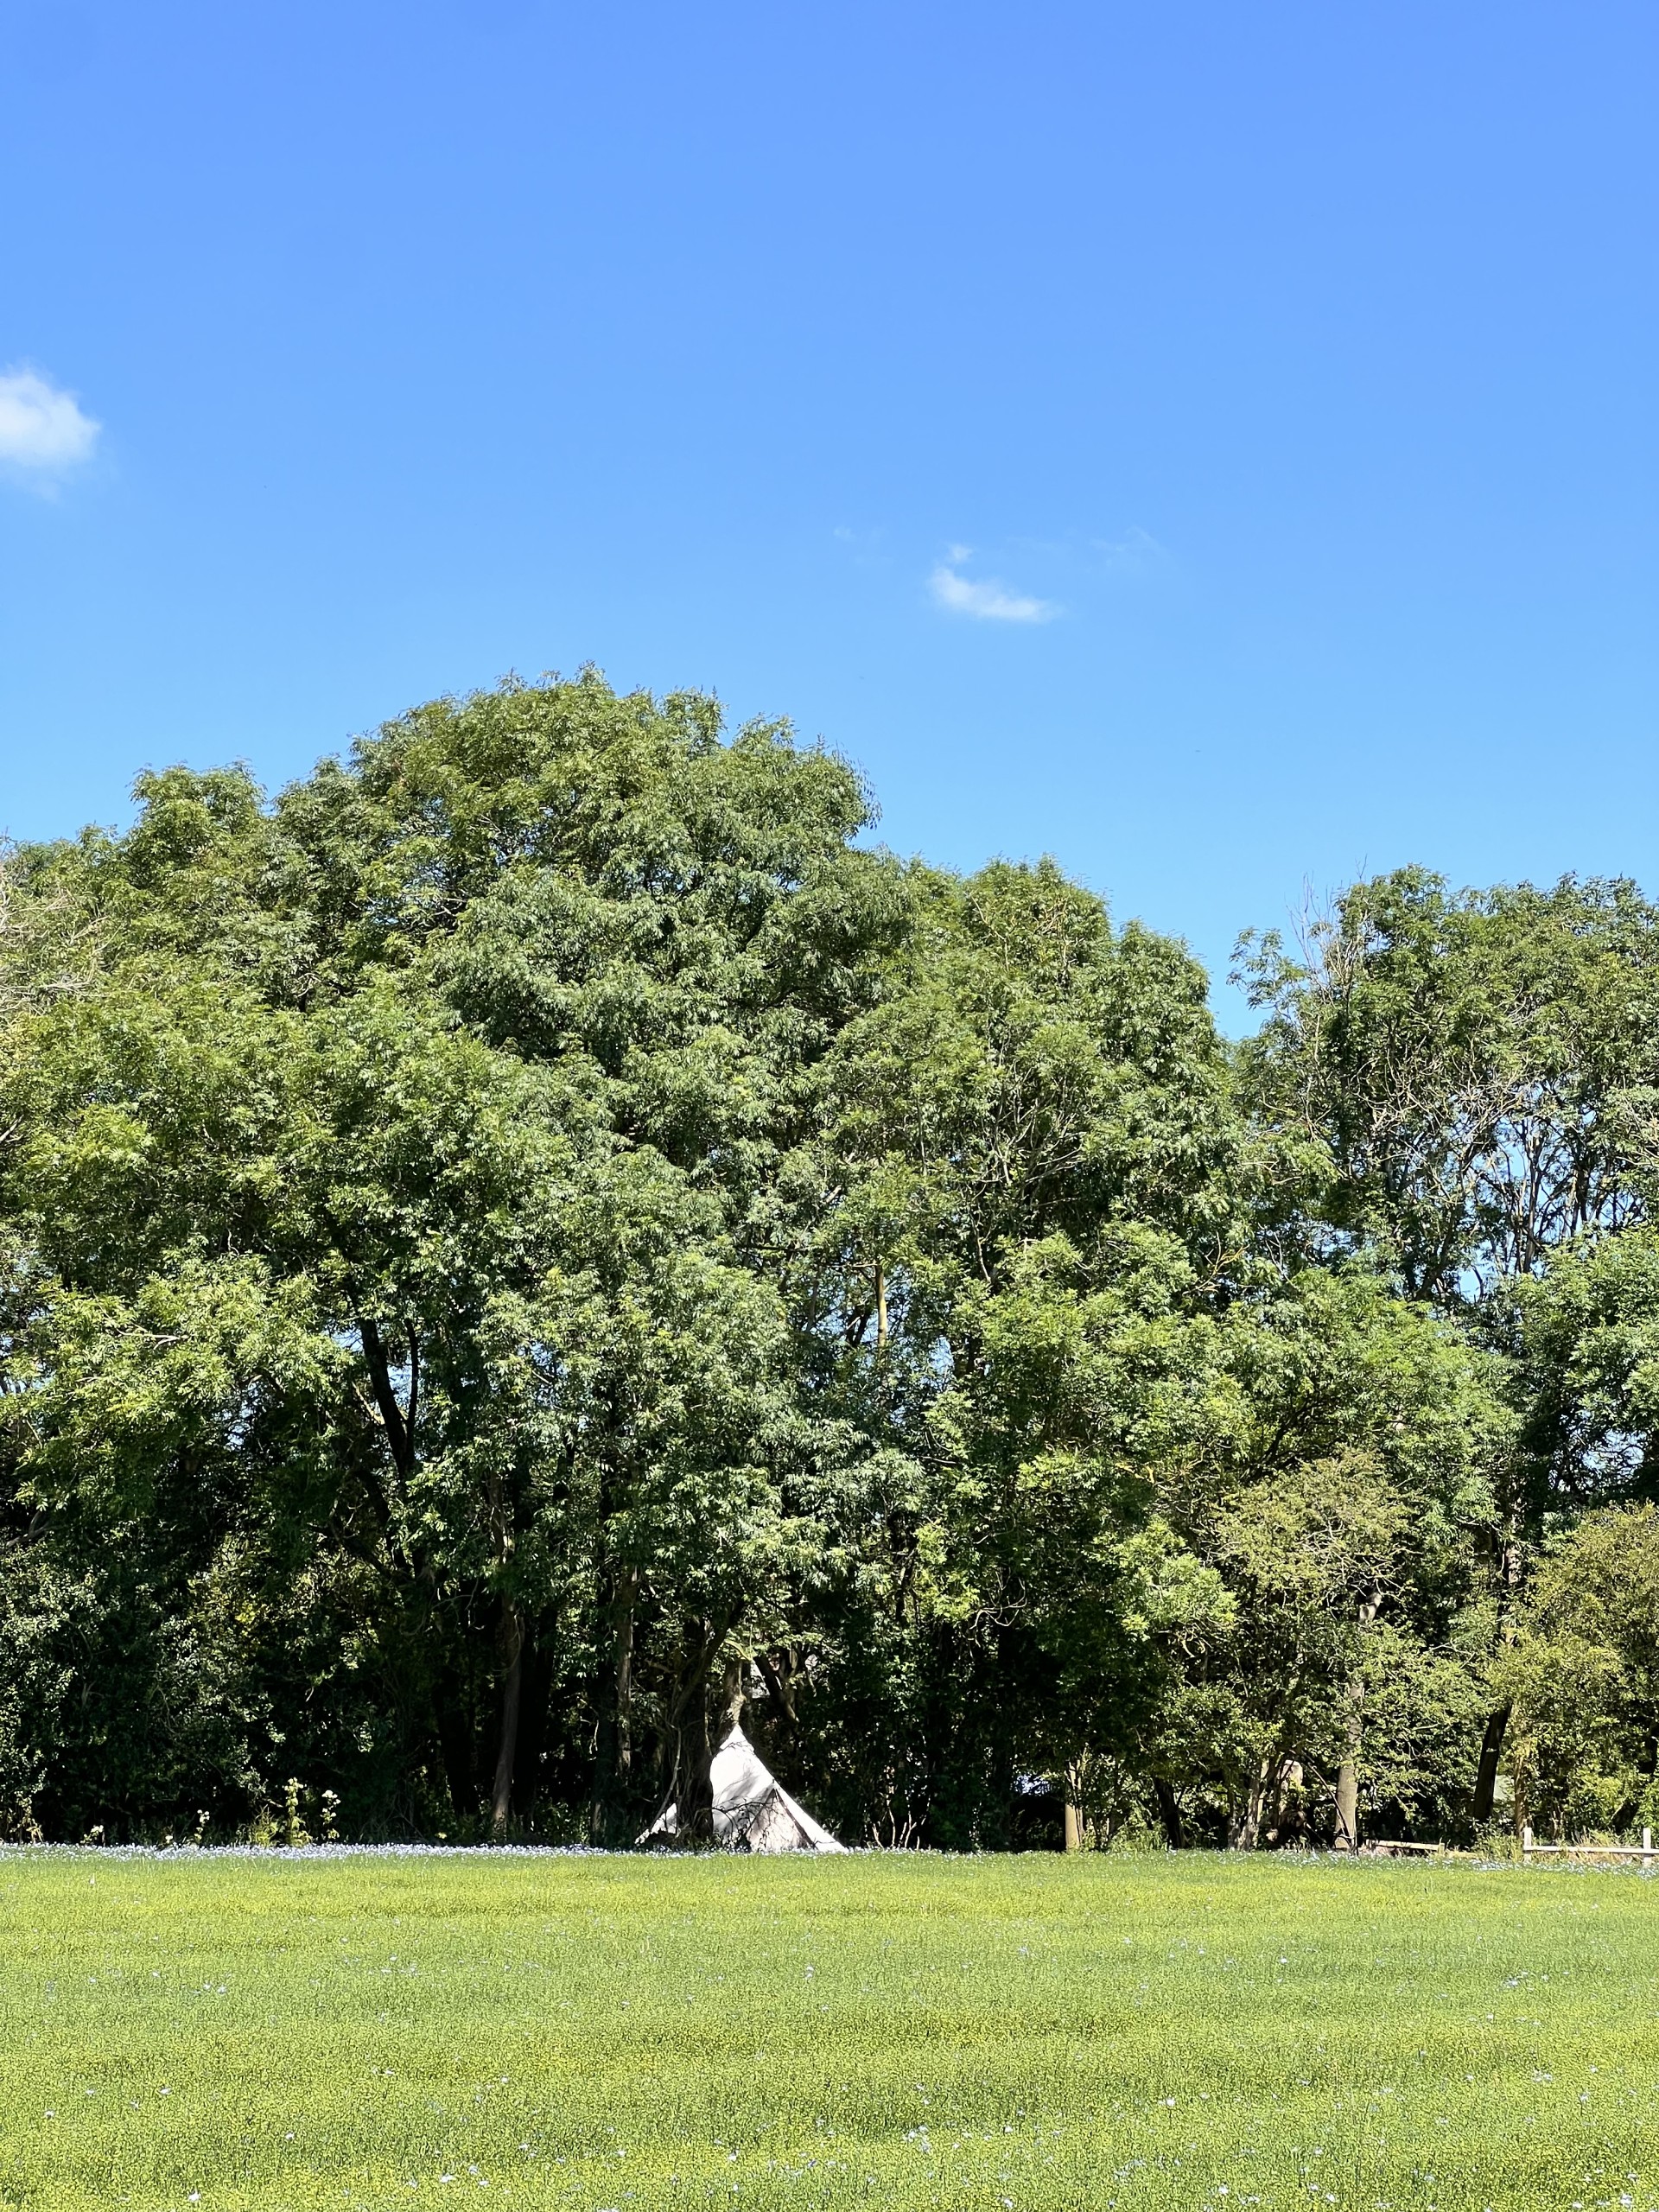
(1214, 445)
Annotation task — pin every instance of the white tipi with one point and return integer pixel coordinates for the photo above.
(753, 1811)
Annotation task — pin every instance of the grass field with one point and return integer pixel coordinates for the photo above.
(901, 2031)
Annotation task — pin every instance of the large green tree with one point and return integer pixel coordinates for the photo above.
(1460, 1088)
(1029, 1196)
(391, 1188)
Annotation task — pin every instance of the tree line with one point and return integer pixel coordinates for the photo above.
(542, 1239)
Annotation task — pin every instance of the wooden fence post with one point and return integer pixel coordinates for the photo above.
(1526, 1842)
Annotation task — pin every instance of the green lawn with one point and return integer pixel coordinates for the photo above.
(902, 2032)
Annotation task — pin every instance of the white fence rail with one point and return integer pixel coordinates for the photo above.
(1643, 1850)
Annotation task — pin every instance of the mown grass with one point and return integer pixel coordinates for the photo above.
(905, 2032)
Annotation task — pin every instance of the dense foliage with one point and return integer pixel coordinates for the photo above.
(537, 1240)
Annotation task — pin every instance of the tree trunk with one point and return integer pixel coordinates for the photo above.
(1072, 1783)
(687, 1736)
(513, 1650)
(708, 1731)
(733, 1696)
(624, 1771)
(1169, 1812)
(778, 1689)
(1347, 1835)
(1492, 1744)
(1287, 1822)
(1509, 1584)
(1491, 1750)
(1266, 1778)
(397, 1420)
(533, 1700)
(613, 1772)
(696, 1759)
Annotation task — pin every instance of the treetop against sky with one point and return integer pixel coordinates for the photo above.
(1215, 448)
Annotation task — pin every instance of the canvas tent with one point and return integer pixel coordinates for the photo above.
(751, 1811)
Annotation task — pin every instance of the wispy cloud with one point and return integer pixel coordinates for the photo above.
(43, 429)
(984, 598)
(1137, 553)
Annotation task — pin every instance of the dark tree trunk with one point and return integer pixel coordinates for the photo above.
(698, 1734)
(533, 1714)
(1492, 1744)
(1169, 1812)
(1508, 1583)
(397, 1420)
(614, 1773)
(777, 1691)
(1491, 1750)
(696, 1759)
(512, 1651)
(623, 1669)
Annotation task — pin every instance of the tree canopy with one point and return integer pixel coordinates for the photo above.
(542, 1236)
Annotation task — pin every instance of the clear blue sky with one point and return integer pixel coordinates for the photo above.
(1216, 445)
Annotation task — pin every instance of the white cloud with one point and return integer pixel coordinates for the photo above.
(41, 429)
(985, 599)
